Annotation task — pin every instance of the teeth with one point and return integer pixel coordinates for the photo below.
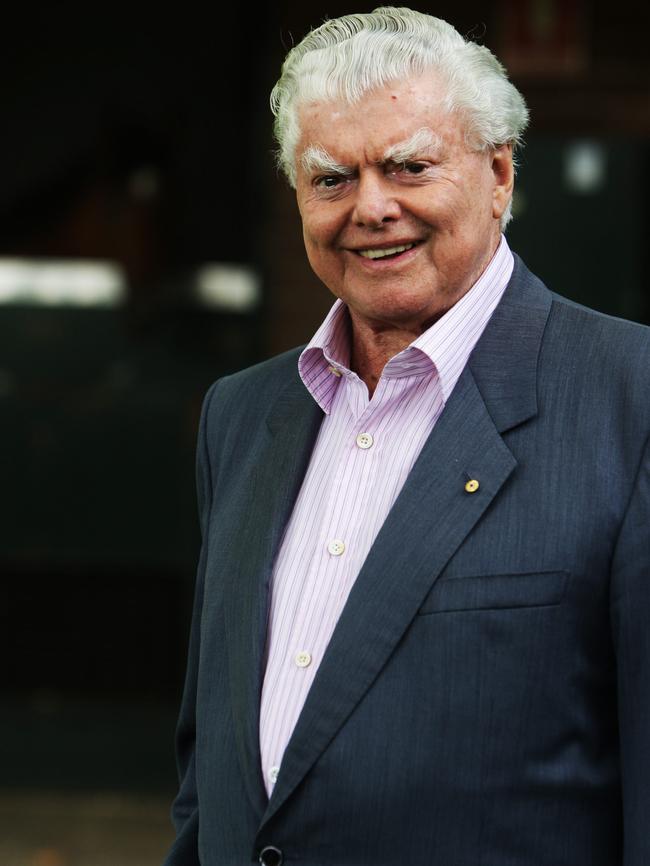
(388, 251)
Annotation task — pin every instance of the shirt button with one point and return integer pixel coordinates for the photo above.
(334, 371)
(365, 440)
(336, 547)
(274, 772)
(303, 659)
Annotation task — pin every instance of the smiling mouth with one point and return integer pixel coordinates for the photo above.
(386, 252)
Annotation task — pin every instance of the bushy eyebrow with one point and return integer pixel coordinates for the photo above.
(424, 141)
(316, 159)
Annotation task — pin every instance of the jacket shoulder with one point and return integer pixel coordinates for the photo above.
(604, 341)
(259, 384)
(599, 358)
(576, 329)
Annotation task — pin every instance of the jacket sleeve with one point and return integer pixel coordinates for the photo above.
(630, 607)
(185, 809)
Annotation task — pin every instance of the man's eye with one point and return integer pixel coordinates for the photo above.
(414, 167)
(404, 170)
(328, 181)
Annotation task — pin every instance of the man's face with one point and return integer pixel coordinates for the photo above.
(394, 171)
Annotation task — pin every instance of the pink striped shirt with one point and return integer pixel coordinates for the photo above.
(364, 451)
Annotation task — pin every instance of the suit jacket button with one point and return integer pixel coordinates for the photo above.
(270, 856)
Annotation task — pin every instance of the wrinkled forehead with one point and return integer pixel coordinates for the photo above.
(391, 122)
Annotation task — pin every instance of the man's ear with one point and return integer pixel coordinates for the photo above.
(504, 179)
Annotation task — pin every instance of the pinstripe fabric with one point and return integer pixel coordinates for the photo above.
(364, 452)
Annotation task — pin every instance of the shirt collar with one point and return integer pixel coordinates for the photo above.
(445, 346)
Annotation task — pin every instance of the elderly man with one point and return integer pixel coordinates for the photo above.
(422, 622)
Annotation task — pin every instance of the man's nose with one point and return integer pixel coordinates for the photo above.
(375, 202)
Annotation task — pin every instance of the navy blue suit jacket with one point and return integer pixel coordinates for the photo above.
(485, 697)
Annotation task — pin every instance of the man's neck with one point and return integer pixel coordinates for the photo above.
(373, 346)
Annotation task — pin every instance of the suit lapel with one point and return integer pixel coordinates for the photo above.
(279, 467)
(430, 519)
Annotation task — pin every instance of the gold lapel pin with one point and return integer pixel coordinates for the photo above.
(472, 485)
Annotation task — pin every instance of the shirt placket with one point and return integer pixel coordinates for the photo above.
(338, 560)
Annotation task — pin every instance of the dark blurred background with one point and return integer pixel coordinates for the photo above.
(148, 246)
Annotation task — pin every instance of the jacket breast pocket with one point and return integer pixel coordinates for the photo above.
(495, 592)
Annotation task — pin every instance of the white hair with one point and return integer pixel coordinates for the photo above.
(347, 57)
